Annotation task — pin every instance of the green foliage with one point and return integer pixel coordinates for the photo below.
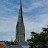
(39, 40)
(12, 43)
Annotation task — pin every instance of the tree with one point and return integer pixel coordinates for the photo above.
(34, 39)
(12, 43)
(39, 40)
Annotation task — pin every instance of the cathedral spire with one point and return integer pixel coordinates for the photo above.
(20, 4)
(20, 16)
(20, 29)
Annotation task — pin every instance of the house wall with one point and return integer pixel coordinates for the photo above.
(2, 46)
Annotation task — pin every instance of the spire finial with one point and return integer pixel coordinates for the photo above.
(20, 4)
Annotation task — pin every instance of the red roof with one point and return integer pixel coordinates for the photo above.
(2, 46)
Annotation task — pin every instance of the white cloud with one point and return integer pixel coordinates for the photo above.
(7, 7)
(8, 25)
(37, 4)
(36, 24)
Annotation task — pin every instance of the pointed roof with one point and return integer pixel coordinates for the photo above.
(20, 10)
(20, 16)
(20, 4)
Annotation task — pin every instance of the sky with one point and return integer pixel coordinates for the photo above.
(35, 14)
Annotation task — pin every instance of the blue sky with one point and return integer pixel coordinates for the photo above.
(35, 13)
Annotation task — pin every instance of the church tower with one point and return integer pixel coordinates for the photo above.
(20, 29)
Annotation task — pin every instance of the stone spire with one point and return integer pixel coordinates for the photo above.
(20, 16)
(20, 4)
(20, 29)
